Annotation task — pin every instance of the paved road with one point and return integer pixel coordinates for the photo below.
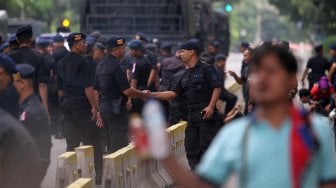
(59, 146)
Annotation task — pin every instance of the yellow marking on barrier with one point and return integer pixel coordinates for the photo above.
(233, 87)
(88, 150)
(81, 183)
(70, 156)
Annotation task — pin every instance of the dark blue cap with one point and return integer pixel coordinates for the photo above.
(136, 45)
(4, 46)
(12, 38)
(43, 43)
(90, 41)
(166, 46)
(332, 47)
(245, 44)
(8, 64)
(115, 42)
(75, 37)
(100, 46)
(219, 57)
(58, 38)
(141, 36)
(25, 31)
(190, 45)
(25, 70)
(150, 46)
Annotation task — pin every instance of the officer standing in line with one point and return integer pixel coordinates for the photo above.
(141, 70)
(111, 91)
(5, 48)
(78, 107)
(33, 115)
(165, 52)
(202, 87)
(9, 98)
(177, 106)
(318, 66)
(59, 52)
(229, 98)
(24, 54)
(99, 52)
(13, 44)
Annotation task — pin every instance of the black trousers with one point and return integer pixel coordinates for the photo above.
(78, 127)
(116, 127)
(230, 100)
(198, 137)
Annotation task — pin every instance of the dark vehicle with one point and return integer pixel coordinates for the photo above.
(168, 20)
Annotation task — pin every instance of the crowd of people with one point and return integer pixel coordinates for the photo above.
(84, 89)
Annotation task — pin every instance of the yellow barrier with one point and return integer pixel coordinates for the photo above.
(82, 183)
(66, 169)
(123, 169)
(85, 162)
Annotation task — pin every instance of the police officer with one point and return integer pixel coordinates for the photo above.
(169, 67)
(78, 107)
(165, 52)
(56, 118)
(33, 115)
(4, 48)
(24, 54)
(226, 96)
(113, 87)
(9, 98)
(202, 87)
(141, 71)
(13, 45)
(318, 65)
(98, 52)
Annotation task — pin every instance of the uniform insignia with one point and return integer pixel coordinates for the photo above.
(120, 41)
(23, 116)
(78, 37)
(17, 77)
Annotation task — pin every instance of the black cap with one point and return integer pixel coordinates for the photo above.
(25, 31)
(24, 71)
(8, 64)
(136, 45)
(58, 38)
(166, 46)
(332, 46)
(75, 37)
(219, 57)
(115, 42)
(100, 46)
(150, 46)
(190, 45)
(245, 44)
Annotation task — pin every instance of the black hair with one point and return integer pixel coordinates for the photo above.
(285, 57)
(24, 39)
(304, 93)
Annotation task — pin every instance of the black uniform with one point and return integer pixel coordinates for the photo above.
(54, 103)
(141, 69)
(19, 157)
(178, 106)
(198, 83)
(318, 65)
(27, 55)
(74, 75)
(169, 67)
(111, 81)
(9, 100)
(226, 96)
(36, 120)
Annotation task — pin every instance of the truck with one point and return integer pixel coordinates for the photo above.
(168, 20)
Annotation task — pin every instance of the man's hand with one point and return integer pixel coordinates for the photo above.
(94, 112)
(99, 121)
(207, 112)
(129, 105)
(233, 74)
(147, 93)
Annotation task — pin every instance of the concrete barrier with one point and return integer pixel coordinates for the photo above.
(82, 183)
(85, 162)
(66, 169)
